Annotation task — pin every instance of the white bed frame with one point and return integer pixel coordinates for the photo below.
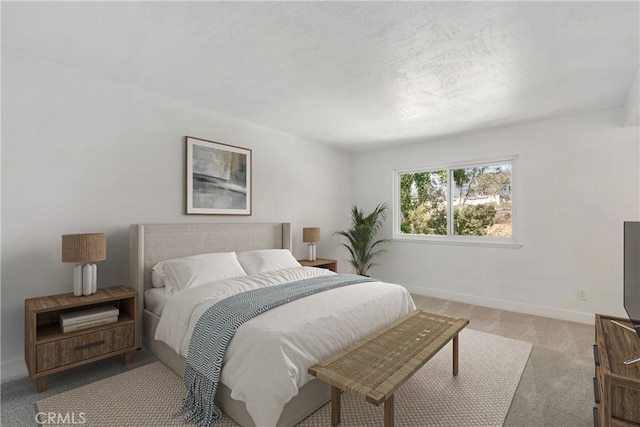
(152, 243)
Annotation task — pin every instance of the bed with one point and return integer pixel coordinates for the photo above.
(152, 243)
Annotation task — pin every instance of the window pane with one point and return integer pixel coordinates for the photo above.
(482, 201)
(423, 202)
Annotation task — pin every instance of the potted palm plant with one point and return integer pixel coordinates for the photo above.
(360, 238)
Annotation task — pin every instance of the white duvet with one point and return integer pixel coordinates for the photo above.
(266, 361)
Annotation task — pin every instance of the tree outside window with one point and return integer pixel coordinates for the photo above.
(474, 200)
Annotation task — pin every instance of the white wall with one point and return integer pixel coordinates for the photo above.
(84, 154)
(577, 183)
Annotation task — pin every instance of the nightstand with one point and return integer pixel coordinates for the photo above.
(49, 350)
(330, 264)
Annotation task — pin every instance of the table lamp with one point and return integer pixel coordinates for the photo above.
(84, 249)
(311, 235)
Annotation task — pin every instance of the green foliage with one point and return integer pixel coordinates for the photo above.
(360, 238)
(423, 199)
(422, 195)
(473, 220)
(495, 181)
(437, 222)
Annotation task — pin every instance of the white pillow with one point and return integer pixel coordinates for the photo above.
(156, 276)
(188, 272)
(261, 261)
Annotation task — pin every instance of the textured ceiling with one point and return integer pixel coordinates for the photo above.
(352, 74)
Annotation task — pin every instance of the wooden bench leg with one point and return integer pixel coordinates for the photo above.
(388, 412)
(335, 406)
(455, 355)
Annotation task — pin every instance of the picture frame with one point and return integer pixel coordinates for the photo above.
(218, 178)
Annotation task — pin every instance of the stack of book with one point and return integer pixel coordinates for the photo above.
(82, 319)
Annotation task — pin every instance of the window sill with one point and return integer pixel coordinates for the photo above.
(459, 240)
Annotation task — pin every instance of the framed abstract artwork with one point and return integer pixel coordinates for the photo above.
(218, 178)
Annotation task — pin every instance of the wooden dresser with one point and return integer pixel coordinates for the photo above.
(616, 386)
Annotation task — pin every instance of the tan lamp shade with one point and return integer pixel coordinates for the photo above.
(84, 247)
(311, 235)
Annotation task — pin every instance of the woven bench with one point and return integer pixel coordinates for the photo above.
(374, 367)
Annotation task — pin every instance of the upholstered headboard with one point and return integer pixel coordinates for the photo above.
(152, 243)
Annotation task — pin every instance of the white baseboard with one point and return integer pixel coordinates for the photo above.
(13, 369)
(554, 313)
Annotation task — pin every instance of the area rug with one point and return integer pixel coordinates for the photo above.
(490, 368)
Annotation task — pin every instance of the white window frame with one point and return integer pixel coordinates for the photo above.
(450, 238)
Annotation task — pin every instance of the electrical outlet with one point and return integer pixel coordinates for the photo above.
(582, 294)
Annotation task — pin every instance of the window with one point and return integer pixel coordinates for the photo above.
(467, 203)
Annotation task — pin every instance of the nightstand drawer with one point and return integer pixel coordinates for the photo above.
(66, 351)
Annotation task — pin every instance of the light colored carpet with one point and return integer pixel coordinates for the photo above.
(490, 369)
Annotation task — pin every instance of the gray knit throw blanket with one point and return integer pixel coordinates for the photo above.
(219, 323)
